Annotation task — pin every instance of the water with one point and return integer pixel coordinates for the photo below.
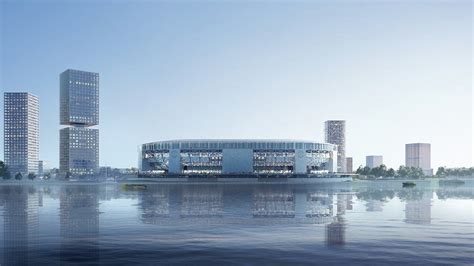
(253, 224)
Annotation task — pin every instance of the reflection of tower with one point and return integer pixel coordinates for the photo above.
(154, 204)
(21, 223)
(374, 205)
(336, 232)
(418, 211)
(341, 204)
(274, 204)
(79, 228)
(202, 202)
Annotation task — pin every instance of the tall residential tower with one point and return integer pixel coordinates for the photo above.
(335, 133)
(21, 132)
(79, 111)
(419, 155)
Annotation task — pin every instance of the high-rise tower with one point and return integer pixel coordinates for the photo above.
(79, 110)
(335, 133)
(419, 155)
(21, 132)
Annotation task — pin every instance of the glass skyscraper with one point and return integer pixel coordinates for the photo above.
(79, 110)
(21, 132)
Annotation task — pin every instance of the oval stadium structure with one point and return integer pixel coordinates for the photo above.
(237, 157)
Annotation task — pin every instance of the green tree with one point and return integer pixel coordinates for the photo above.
(3, 169)
(18, 176)
(31, 176)
(402, 171)
(47, 176)
(441, 171)
(390, 172)
(7, 175)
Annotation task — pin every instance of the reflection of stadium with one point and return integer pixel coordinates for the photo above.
(270, 205)
(273, 204)
(418, 211)
(202, 202)
(319, 205)
(154, 205)
(21, 224)
(79, 223)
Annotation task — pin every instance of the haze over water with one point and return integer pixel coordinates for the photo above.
(253, 223)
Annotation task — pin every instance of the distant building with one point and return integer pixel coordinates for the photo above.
(44, 167)
(40, 168)
(349, 165)
(21, 132)
(335, 133)
(79, 110)
(373, 161)
(419, 155)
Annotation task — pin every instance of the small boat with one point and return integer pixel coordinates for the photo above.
(133, 186)
(409, 184)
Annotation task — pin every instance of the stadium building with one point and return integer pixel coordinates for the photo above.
(237, 157)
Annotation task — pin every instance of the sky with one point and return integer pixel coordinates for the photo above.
(397, 71)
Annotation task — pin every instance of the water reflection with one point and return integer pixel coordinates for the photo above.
(93, 229)
(418, 210)
(79, 224)
(21, 222)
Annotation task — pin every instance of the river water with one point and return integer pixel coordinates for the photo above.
(352, 223)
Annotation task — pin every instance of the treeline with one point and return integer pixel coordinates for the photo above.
(463, 171)
(413, 172)
(383, 171)
(6, 175)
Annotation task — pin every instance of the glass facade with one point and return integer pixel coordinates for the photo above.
(264, 157)
(79, 109)
(79, 98)
(21, 132)
(79, 151)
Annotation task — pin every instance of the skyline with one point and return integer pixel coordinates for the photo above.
(267, 75)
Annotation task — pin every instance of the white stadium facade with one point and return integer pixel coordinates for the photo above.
(231, 157)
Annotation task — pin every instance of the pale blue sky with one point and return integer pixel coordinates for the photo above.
(398, 72)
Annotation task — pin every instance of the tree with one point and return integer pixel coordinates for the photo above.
(441, 171)
(363, 170)
(47, 176)
(7, 175)
(3, 169)
(402, 171)
(391, 172)
(68, 175)
(18, 176)
(31, 176)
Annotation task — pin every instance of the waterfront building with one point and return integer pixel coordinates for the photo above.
(40, 168)
(335, 133)
(79, 111)
(419, 155)
(237, 157)
(21, 132)
(373, 161)
(349, 165)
